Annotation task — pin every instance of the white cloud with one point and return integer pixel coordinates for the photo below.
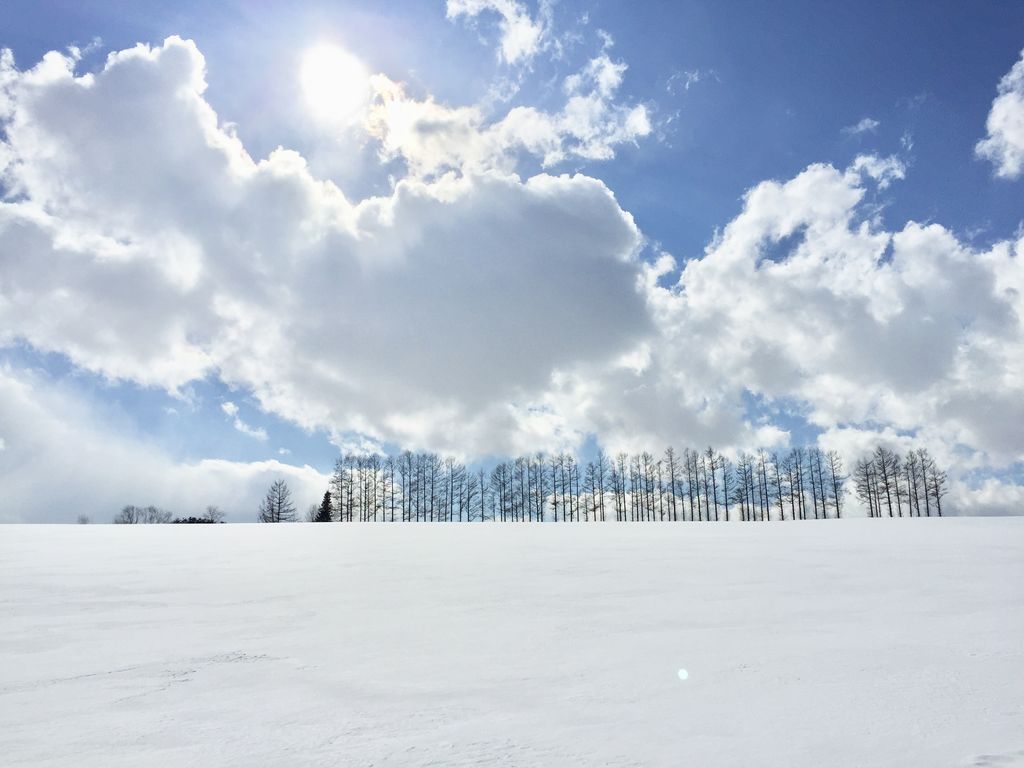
(808, 303)
(688, 78)
(231, 410)
(1004, 145)
(865, 125)
(806, 300)
(522, 35)
(884, 170)
(146, 244)
(991, 497)
(62, 463)
(434, 139)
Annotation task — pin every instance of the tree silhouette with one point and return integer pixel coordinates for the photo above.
(133, 515)
(277, 506)
(323, 513)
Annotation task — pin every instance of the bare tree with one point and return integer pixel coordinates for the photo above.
(865, 487)
(602, 468)
(483, 496)
(129, 515)
(727, 482)
(619, 485)
(777, 492)
(814, 474)
(713, 466)
(763, 496)
(692, 489)
(133, 515)
(389, 485)
(672, 471)
(541, 486)
(798, 458)
(838, 480)
(743, 488)
(936, 481)
(886, 467)
(572, 469)
(277, 506)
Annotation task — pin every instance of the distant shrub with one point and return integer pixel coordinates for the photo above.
(194, 520)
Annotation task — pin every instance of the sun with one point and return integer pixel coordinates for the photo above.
(335, 84)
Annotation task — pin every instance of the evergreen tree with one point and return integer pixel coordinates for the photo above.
(323, 514)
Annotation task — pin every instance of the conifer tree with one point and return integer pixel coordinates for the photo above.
(323, 514)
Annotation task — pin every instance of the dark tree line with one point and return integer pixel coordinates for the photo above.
(891, 485)
(133, 515)
(801, 484)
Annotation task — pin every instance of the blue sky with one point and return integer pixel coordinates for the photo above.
(732, 95)
(780, 82)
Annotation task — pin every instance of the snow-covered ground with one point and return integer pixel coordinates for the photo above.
(840, 643)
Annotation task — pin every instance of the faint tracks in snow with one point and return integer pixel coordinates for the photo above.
(1002, 760)
(172, 673)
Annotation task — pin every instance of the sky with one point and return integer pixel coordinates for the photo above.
(235, 240)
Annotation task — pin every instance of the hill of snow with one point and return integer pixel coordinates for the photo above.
(841, 643)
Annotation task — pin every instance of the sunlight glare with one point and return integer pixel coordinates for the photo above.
(335, 84)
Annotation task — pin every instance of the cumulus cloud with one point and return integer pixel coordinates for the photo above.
(143, 241)
(522, 35)
(1004, 145)
(884, 170)
(806, 301)
(231, 410)
(63, 463)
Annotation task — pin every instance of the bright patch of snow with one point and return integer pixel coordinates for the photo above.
(842, 643)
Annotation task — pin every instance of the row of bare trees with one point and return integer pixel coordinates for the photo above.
(801, 484)
(131, 514)
(892, 485)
